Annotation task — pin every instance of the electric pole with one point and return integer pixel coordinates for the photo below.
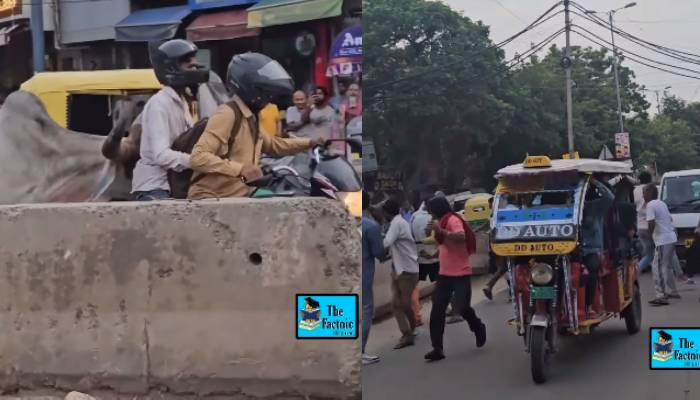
(566, 63)
(617, 80)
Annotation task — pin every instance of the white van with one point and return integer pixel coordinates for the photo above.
(680, 190)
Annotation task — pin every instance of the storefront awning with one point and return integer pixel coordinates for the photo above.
(7, 31)
(151, 24)
(229, 24)
(280, 12)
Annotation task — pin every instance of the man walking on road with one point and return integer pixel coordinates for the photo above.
(428, 262)
(661, 229)
(404, 274)
(372, 248)
(456, 243)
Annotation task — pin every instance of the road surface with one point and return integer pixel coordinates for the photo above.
(608, 364)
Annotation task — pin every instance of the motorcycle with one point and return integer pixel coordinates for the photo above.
(331, 176)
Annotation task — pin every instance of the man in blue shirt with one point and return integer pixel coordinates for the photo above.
(372, 248)
(599, 199)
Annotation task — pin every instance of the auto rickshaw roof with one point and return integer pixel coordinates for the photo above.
(583, 165)
(81, 81)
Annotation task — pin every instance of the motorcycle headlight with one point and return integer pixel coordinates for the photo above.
(541, 274)
(353, 203)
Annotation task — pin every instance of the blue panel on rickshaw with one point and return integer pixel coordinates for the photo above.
(547, 214)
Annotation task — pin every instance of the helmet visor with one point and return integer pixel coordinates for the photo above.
(274, 71)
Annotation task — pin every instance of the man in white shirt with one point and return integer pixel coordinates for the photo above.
(664, 236)
(166, 115)
(428, 262)
(404, 258)
(642, 226)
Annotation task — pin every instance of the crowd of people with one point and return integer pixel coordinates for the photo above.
(434, 242)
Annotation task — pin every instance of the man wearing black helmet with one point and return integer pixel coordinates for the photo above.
(227, 154)
(166, 115)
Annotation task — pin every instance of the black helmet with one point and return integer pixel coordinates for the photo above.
(166, 59)
(257, 79)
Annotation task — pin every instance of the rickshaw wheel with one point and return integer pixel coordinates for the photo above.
(633, 312)
(539, 354)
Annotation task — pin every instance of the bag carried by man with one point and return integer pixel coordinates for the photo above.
(180, 181)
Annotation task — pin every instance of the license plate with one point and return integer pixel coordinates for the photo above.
(542, 292)
(688, 242)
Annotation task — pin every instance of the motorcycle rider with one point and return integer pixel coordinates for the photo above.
(223, 160)
(166, 115)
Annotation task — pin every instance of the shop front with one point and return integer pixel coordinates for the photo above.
(298, 34)
(221, 30)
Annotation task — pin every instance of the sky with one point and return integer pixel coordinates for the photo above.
(674, 24)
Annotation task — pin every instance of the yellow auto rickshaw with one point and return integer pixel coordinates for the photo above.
(477, 210)
(83, 100)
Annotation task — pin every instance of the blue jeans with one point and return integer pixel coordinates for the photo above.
(151, 195)
(648, 249)
(367, 302)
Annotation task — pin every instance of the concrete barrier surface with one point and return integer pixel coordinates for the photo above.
(184, 297)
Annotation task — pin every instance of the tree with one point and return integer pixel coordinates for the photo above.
(447, 117)
(669, 142)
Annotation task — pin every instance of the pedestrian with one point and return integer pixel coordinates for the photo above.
(341, 97)
(298, 114)
(642, 226)
(428, 262)
(351, 107)
(227, 154)
(372, 249)
(165, 116)
(453, 316)
(404, 274)
(456, 242)
(270, 121)
(322, 116)
(661, 228)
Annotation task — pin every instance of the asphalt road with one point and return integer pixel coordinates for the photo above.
(608, 364)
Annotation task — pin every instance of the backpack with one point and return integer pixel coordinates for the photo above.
(180, 181)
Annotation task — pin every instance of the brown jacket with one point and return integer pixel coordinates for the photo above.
(222, 165)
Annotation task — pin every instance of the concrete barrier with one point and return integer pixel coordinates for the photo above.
(194, 298)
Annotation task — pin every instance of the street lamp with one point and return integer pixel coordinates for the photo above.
(615, 59)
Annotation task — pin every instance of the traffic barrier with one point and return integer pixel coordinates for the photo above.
(185, 297)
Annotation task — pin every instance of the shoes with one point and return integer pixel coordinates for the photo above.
(404, 342)
(368, 359)
(488, 293)
(435, 355)
(480, 336)
(661, 301)
(674, 296)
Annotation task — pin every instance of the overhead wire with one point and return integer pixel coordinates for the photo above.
(625, 51)
(541, 19)
(505, 66)
(596, 19)
(633, 59)
(644, 44)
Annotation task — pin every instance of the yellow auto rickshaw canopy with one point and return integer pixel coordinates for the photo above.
(89, 81)
(53, 88)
